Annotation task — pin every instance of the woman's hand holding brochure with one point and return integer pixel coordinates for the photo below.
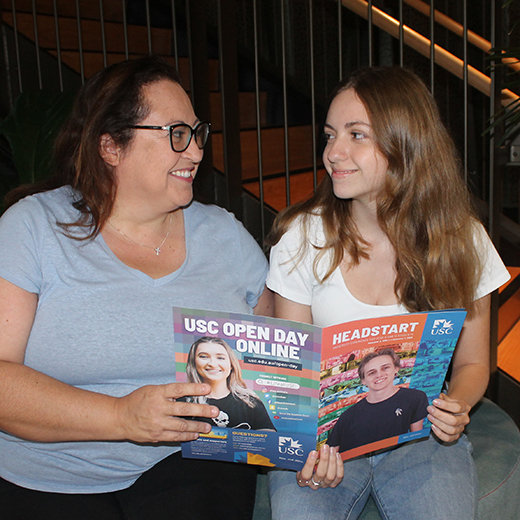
(449, 417)
(327, 473)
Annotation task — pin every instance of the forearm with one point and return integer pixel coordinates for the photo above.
(37, 407)
(265, 305)
(469, 382)
(470, 373)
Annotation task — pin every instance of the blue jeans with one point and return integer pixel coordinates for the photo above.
(423, 480)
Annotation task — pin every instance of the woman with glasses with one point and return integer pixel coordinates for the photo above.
(91, 265)
(390, 230)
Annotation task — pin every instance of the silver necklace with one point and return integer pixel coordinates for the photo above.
(156, 249)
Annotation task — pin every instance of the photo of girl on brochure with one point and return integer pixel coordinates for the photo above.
(212, 361)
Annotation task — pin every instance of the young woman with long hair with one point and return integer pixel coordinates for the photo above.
(389, 230)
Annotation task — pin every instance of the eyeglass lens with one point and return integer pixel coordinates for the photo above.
(180, 136)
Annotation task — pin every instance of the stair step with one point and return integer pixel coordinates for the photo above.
(273, 150)
(509, 326)
(508, 353)
(509, 312)
(91, 34)
(301, 185)
(112, 9)
(93, 62)
(247, 110)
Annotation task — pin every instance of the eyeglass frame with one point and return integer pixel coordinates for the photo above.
(170, 128)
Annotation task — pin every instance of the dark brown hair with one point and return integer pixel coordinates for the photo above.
(109, 103)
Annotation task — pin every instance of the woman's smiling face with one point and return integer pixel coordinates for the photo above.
(149, 172)
(353, 161)
(212, 362)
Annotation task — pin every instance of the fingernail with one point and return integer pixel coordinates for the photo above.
(437, 402)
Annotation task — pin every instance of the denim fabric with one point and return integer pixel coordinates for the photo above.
(424, 480)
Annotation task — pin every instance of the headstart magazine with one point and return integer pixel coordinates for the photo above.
(282, 387)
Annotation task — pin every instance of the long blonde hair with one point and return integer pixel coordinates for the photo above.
(424, 208)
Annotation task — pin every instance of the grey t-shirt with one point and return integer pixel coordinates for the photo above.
(103, 326)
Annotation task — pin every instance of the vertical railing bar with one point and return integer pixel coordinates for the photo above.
(103, 36)
(485, 19)
(340, 37)
(174, 37)
(80, 43)
(313, 96)
(370, 35)
(401, 34)
(17, 46)
(148, 26)
(432, 46)
(494, 186)
(37, 43)
(196, 31)
(285, 124)
(465, 55)
(492, 117)
(223, 91)
(58, 45)
(7, 63)
(258, 120)
(446, 90)
(125, 30)
(228, 61)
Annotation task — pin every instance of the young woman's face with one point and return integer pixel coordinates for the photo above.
(379, 373)
(354, 163)
(212, 362)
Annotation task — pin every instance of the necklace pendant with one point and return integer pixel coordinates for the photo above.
(157, 250)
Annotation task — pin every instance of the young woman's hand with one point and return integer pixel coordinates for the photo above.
(449, 417)
(327, 473)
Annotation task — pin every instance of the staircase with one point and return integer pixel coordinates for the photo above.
(107, 39)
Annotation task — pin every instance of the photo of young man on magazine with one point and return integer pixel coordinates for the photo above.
(387, 409)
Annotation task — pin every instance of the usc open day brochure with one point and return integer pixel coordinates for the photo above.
(306, 376)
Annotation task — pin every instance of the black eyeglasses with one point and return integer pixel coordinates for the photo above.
(181, 134)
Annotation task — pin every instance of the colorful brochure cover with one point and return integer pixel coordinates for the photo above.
(284, 385)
